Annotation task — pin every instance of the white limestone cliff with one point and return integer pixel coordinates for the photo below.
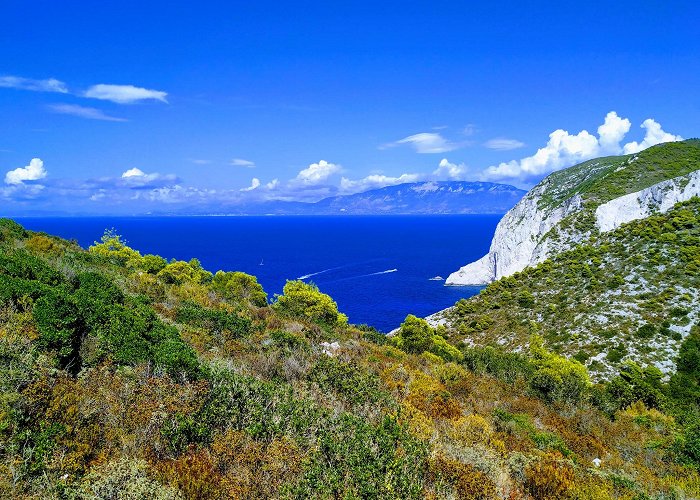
(658, 198)
(520, 239)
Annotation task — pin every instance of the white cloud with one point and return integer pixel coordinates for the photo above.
(564, 149)
(654, 135)
(83, 112)
(611, 132)
(124, 94)
(374, 181)
(426, 142)
(32, 172)
(318, 172)
(48, 85)
(199, 161)
(133, 172)
(255, 184)
(240, 162)
(137, 178)
(451, 171)
(503, 144)
(273, 184)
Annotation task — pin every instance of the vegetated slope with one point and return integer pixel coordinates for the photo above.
(127, 376)
(570, 205)
(630, 294)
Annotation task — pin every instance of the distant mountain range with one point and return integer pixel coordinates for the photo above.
(445, 197)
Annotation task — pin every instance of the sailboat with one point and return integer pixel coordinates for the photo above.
(261, 262)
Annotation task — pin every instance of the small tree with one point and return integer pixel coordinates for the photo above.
(415, 335)
(240, 287)
(305, 299)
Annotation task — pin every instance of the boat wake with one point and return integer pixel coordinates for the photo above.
(388, 271)
(307, 276)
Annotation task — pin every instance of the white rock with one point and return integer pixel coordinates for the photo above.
(329, 348)
(660, 197)
(520, 241)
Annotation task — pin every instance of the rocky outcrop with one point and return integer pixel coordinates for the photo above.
(658, 198)
(524, 236)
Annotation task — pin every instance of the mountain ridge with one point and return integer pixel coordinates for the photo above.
(570, 205)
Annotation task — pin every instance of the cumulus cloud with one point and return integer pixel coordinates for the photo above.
(240, 162)
(48, 85)
(611, 132)
(654, 135)
(138, 179)
(317, 173)
(503, 144)
(254, 184)
(83, 112)
(374, 181)
(426, 142)
(273, 184)
(564, 149)
(32, 172)
(124, 94)
(448, 170)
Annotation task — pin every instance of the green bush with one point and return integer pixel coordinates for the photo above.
(239, 287)
(352, 383)
(219, 322)
(415, 335)
(60, 324)
(305, 300)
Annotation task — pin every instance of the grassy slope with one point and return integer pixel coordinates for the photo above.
(603, 179)
(629, 294)
(266, 413)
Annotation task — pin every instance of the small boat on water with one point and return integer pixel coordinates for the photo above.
(437, 278)
(261, 262)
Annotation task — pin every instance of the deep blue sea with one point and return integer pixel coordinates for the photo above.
(377, 269)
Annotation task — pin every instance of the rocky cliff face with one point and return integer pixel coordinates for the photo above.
(516, 240)
(538, 228)
(658, 198)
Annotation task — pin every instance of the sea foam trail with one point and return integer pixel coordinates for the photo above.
(306, 276)
(365, 275)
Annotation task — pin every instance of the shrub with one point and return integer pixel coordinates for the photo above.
(446, 351)
(305, 300)
(239, 287)
(217, 321)
(507, 366)
(112, 247)
(550, 478)
(180, 272)
(468, 482)
(59, 323)
(348, 380)
(415, 335)
(10, 230)
(556, 378)
(123, 478)
(356, 459)
(152, 264)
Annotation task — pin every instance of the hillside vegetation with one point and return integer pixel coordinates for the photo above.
(603, 179)
(630, 294)
(127, 376)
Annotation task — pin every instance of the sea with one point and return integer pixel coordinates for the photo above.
(377, 268)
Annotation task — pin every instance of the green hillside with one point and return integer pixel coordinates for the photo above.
(127, 376)
(631, 294)
(603, 179)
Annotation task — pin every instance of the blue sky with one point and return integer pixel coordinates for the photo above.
(132, 106)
